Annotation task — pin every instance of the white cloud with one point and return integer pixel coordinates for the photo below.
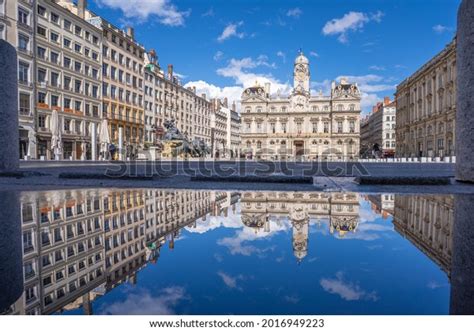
(293, 299)
(231, 31)
(377, 68)
(345, 289)
(241, 71)
(440, 29)
(230, 281)
(144, 303)
(232, 221)
(218, 56)
(208, 13)
(282, 55)
(294, 12)
(313, 54)
(164, 10)
(352, 21)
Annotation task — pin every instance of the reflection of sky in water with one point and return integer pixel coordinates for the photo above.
(223, 267)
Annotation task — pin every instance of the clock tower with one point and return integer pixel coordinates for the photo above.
(301, 74)
(300, 95)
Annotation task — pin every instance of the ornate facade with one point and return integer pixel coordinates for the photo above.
(301, 126)
(426, 108)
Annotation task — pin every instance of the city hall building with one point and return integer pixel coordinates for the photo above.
(301, 126)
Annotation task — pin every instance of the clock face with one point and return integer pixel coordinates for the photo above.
(300, 72)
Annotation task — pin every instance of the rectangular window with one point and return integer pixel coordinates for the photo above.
(54, 57)
(23, 42)
(41, 31)
(41, 10)
(41, 52)
(23, 16)
(66, 43)
(24, 104)
(54, 37)
(42, 97)
(23, 70)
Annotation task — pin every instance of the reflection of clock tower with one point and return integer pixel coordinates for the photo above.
(301, 75)
(300, 221)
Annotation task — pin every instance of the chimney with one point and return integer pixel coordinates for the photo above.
(233, 106)
(203, 95)
(81, 8)
(170, 71)
(131, 32)
(386, 101)
(194, 89)
(226, 103)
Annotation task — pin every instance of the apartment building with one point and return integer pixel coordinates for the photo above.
(378, 128)
(219, 128)
(426, 108)
(17, 22)
(233, 131)
(67, 77)
(166, 98)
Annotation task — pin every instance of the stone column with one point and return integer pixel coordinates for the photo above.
(465, 93)
(9, 129)
(462, 267)
(120, 146)
(93, 142)
(11, 257)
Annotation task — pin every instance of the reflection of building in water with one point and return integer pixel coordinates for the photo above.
(427, 222)
(340, 209)
(77, 245)
(382, 203)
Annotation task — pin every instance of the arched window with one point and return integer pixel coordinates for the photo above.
(352, 106)
(315, 108)
(340, 107)
(259, 144)
(248, 109)
(314, 142)
(259, 109)
(249, 144)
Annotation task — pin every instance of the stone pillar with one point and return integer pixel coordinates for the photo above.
(9, 129)
(462, 267)
(465, 93)
(11, 257)
(93, 142)
(120, 146)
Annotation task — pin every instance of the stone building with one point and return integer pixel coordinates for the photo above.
(301, 126)
(379, 128)
(166, 98)
(17, 25)
(426, 108)
(233, 132)
(68, 75)
(340, 210)
(219, 128)
(427, 222)
(122, 81)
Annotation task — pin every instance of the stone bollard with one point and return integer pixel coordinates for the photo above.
(9, 132)
(11, 257)
(465, 93)
(462, 266)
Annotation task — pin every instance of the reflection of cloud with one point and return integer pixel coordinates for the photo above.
(345, 289)
(236, 244)
(214, 222)
(435, 285)
(143, 303)
(291, 299)
(230, 281)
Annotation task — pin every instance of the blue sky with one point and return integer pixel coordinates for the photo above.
(222, 46)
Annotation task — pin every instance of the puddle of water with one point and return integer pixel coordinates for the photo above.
(106, 251)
